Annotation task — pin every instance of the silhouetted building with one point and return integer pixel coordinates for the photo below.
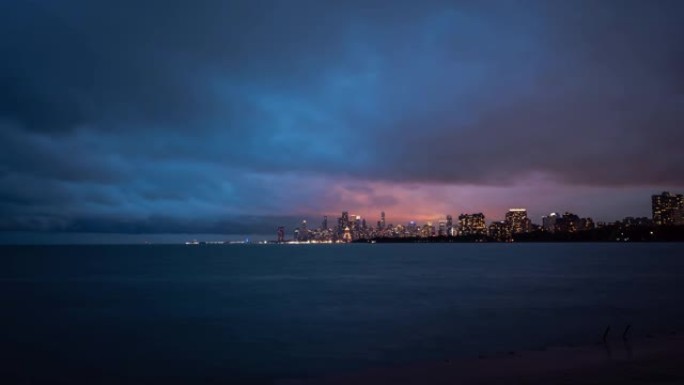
(342, 223)
(281, 234)
(303, 232)
(357, 223)
(668, 209)
(324, 225)
(550, 222)
(635, 222)
(383, 224)
(586, 224)
(568, 223)
(450, 225)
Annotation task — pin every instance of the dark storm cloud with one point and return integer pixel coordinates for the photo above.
(590, 95)
(118, 111)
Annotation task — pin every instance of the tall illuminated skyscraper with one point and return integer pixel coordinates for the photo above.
(383, 224)
(517, 221)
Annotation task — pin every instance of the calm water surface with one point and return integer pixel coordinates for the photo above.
(255, 313)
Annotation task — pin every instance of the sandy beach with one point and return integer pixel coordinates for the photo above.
(655, 360)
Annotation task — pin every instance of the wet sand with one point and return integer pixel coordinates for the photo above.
(657, 360)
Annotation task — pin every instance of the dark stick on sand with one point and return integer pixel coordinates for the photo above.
(624, 334)
(605, 334)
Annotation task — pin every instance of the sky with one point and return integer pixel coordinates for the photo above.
(235, 117)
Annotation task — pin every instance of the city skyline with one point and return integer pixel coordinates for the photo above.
(666, 209)
(665, 224)
(236, 116)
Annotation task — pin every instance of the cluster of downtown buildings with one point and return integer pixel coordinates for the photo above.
(667, 210)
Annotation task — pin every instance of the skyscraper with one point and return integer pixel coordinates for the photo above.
(342, 223)
(668, 209)
(472, 224)
(383, 224)
(303, 232)
(442, 228)
(324, 225)
(517, 221)
(549, 222)
(347, 237)
(500, 231)
(357, 223)
(568, 223)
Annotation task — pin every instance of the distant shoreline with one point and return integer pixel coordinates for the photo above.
(607, 234)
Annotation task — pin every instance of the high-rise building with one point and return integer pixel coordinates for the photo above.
(586, 224)
(668, 209)
(383, 224)
(324, 225)
(357, 223)
(500, 231)
(281, 234)
(303, 232)
(342, 223)
(442, 228)
(427, 230)
(450, 225)
(412, 228)
(517, 221)
(347, 237)
(550, 222)
(472, 224)
(569, 223)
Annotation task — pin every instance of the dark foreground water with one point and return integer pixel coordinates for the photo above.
(255, 313)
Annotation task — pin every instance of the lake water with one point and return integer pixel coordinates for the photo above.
(254, 313)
